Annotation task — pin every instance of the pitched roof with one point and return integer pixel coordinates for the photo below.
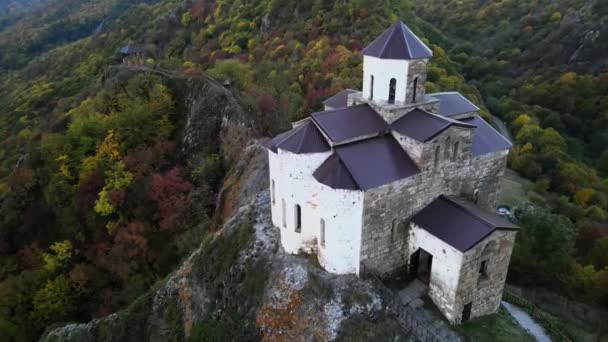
(453, 103)
(130, 49)
(424, 126)
(334, 174)
(485, 138)
(348, 123)
(304, 138)
(398, 42)
(340, 99)
(358, 163)
(459, 223)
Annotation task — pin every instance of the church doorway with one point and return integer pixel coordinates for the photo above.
(421, 263)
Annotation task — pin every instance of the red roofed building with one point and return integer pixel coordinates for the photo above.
(392, 180)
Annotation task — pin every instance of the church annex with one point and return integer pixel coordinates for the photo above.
(392, 180)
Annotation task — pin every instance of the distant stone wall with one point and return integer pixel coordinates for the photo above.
(485, 293)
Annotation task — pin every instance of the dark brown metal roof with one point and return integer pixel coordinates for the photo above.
(334, 174)
(453, 103)
(376, 161)
(459, 223)
(305, 138)
(424, 126)
(485, 138)
(340, 99)
(348, 123)
(398, 42)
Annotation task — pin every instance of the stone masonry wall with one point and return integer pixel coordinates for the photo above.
(391, 113)
(417, 68)
(383, 247)
(485, 293)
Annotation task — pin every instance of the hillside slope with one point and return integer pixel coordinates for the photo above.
(219, 293)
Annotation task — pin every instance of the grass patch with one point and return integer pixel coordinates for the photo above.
(513, 189)
(236, 293)
(382, 328)
(498, 327)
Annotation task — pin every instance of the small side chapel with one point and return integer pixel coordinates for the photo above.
(392, 180)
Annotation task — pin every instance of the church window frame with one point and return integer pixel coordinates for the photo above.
(273, 195)
(298, 218)
(322, 233)
(455, 152)
(437, 155)
(284, 213)
(414, 89)
(392, 89)
(371, 87)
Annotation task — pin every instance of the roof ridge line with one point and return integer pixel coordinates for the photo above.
(390, 35)
(336, 110)
(470, 213)
(495, 130)
(350, 172)
(294, 130)
(407, 46)
(419, 40)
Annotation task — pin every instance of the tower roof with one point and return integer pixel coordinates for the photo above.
(398, 42)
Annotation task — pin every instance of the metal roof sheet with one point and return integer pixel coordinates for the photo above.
(398, 42)
(334, 174)
(340, 99)
(453, 103)
(348, 123)
(376, 161)
(424, 126)
(486, 139)
(459, 223)
(305, 138)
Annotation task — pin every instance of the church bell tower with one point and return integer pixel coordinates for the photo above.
(395, 68)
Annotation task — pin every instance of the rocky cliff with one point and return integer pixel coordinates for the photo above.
(239, 285)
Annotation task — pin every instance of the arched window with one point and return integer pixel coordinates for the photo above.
(371, 88)
(393, 228)
(437, 151)
(272, 193)
(284, 213)
(391, 91)
(484, 261)
(447, 149)
(298, 217)
(415, 90)
(455, 150)
(322, 233)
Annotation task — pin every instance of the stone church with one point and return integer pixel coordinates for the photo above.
(394, 181)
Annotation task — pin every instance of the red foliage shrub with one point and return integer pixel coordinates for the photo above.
(170, 193)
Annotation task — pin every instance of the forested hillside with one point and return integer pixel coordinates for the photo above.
(542, 66)
(99, 198)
